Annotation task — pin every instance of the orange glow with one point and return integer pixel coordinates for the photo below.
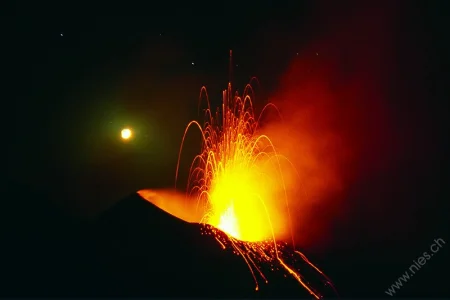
(237, 181)
(239, 193)
(237, 177)
(173, 203)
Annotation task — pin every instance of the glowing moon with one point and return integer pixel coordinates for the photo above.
(126, 134)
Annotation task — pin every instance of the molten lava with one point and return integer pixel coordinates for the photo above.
(237, 176)
(237, 180)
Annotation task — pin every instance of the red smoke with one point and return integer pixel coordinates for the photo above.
(341, 99)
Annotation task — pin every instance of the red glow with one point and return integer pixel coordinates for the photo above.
(341, 124)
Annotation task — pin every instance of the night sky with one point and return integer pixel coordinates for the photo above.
(76, 75)
(78, 80)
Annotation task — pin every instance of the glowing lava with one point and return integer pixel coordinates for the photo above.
(237, 179)
(229, 223)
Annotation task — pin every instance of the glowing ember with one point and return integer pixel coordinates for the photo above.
(236, 179)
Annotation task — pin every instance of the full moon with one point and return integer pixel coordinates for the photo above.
(126, 134)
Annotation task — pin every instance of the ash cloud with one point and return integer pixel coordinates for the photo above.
(351, 125)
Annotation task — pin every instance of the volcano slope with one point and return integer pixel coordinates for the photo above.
(136, 249)
(44, 249)
(144, 251)
(132, 249)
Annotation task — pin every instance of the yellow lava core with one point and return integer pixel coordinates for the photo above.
(239, 186)
(228, 222)
(237, 177)
(126, 133)
(238, 198)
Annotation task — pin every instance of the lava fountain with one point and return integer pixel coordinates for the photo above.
(236, 180)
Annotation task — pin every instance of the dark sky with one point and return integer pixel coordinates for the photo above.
(78, 74)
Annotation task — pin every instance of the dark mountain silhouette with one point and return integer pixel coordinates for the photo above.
(136, 249)
(43, 248)
(148, 252)
(133, 249)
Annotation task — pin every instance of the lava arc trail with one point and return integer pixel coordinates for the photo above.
(235, 179)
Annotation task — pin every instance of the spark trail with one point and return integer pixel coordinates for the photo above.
(236, 180)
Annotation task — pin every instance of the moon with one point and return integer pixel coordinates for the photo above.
(126, 134)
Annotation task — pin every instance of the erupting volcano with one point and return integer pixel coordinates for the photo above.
(237, 181)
